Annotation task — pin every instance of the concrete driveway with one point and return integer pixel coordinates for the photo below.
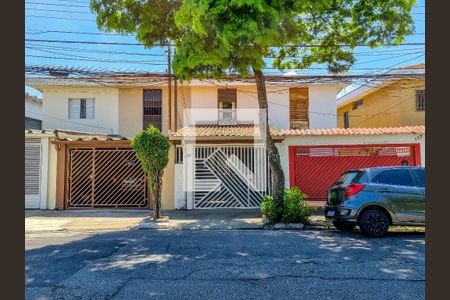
(82, 220)
(232, 264)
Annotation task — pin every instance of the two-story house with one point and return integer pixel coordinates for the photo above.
(205, 120)
(218, 157)
(387, 102)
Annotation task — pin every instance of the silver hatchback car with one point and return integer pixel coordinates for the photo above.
(375, 198)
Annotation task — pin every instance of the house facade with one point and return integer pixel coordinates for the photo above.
(217, 157)
(386, 103)
(33, 112)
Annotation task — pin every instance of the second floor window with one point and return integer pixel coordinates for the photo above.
(420, 100)
(81, 108)
(227, 105)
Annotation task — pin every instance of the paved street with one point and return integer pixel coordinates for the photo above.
(142, 264)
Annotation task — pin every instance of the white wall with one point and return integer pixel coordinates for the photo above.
(55, 109)
(322, 106)
(346, 140)
(33, 109)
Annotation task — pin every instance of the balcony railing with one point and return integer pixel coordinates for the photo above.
(227, 117)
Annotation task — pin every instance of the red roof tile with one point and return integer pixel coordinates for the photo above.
(355, 131)
(417, 66)
(220, 131)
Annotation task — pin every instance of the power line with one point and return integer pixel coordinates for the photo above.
(85, 57)
(138, 44)
(63, 11)
(68, 121)
(78, 32)
(40, 46)
(390, 67)
(54, 4)
(98, 60)
(118, 34)
(59, 18)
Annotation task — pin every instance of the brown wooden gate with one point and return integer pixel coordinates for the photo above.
(105, 178)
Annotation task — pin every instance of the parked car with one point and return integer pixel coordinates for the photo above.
(376, 198)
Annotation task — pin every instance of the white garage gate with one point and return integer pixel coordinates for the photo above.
(32, 172)
(36, 170)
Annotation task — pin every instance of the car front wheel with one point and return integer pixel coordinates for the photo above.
(346, 226)
(374, 223)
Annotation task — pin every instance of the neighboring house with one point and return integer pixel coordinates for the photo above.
(217, 158)
(386, 103)
(33, 112)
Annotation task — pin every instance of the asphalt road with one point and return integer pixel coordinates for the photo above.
(245, 264)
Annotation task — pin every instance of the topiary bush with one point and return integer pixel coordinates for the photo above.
(294, 210)
(270, 208)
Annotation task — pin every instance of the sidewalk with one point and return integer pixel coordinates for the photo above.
(220, 219)
(104, 220)
(82, 220)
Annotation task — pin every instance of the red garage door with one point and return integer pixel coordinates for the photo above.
(315, 168)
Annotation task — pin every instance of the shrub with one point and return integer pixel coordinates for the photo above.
(270, 208)
(152, 150)
(295, 209)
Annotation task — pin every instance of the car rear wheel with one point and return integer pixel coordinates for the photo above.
(342, 225)
(374, 223)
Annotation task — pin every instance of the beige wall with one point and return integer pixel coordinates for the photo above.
(167, 193)
(393, 105)
(131, 110)
(55, 109)
(52, 167)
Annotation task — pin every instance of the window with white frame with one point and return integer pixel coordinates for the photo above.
(227, 99)
(81, 108)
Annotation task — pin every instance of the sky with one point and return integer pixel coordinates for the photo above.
(71, 20)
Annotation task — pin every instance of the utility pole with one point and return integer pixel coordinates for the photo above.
(175, 102)
(169, 94)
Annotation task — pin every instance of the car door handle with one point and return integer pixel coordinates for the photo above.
(384, 191)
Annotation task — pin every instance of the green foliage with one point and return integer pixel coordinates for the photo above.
(216, 37)
(270, 208)
(152, 149)
(294, 210)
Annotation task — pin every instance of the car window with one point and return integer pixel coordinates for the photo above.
(394, 177)
(348, 178)
(420, 175)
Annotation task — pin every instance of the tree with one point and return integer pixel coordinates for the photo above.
(213, 38)
(152, 150)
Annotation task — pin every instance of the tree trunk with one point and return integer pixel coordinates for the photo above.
(271, 149)
(156, 193)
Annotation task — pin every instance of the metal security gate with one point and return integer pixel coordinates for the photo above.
(230, 176)
(105, 178)
(32, 172)
(315, 169)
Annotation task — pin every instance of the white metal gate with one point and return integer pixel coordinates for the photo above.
(32, 172)
(230, 176)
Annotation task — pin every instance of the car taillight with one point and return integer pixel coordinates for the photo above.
(353, 189)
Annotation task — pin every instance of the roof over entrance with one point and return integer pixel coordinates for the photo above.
(220, 132)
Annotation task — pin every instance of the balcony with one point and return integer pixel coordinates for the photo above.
(227, 117)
